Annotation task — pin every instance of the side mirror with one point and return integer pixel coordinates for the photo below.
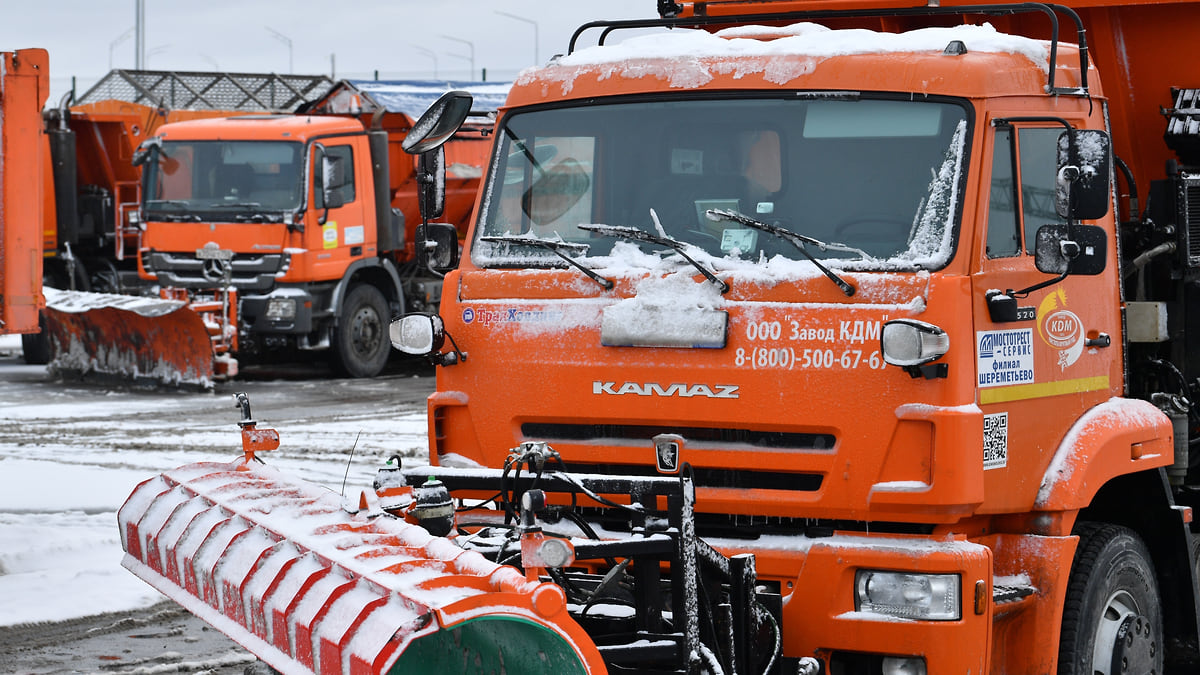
(1070, 249)
(437, 245)
(418, 334)
(438, 123)
(143, 152)
(431, 183)
(1082, 186)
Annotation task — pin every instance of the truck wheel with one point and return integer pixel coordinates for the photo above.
(1112, 620)
(361, 345)
(35, 347)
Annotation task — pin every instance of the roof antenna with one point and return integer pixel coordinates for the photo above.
(348, 461)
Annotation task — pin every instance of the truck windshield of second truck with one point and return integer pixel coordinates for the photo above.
(224, 180)
(880, 175)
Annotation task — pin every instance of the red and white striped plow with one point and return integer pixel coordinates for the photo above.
(281, 568)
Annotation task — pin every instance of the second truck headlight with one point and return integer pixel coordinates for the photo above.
(932, 597)
(281, 309)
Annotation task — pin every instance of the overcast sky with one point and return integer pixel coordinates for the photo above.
(350, 38)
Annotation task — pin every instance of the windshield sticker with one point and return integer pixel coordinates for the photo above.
(329, 234)
(1060, 328)
(1005, 357)
(995, 441)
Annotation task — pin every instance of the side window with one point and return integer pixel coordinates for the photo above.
(346, 154)
(1004, 232)
(1039, 161)
(1035, 156)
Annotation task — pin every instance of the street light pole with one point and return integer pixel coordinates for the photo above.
(431, 54)
(469, 44)
(285, 40)
(154, 52)
(113, 45)
(537, 61)
(139, 8)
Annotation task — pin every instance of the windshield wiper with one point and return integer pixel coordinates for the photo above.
(167, 202)
(174, 217)
(557, 247)
(237, 205)
(797, 240)
(635, 234)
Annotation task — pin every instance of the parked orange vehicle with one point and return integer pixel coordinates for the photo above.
(301, 231)
(831, 338)
(24, 85)
(90, 238)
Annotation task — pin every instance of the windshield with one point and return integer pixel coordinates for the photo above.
(224, 180)
(880, 176)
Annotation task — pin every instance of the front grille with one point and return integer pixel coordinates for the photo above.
(1189, 214)
(599, 433)
(724, 478)
(251, 272)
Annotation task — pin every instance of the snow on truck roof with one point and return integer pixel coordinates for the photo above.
(744, 50)
(411, 97)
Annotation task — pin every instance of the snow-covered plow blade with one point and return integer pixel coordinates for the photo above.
(127, 338)
(282, 568)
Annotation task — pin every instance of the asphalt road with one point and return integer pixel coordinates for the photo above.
(165, 638)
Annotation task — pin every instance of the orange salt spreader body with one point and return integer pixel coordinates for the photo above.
(834, 337)
(24, 85)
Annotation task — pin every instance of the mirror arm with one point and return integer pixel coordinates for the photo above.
(1024, 292)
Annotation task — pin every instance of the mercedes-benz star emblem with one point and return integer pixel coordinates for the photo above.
(214, 270)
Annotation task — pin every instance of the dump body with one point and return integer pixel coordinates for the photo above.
(24, 85)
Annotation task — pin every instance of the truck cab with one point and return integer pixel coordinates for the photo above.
(281, 208)
(864, 287)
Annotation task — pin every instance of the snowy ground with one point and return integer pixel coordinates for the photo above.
(70, 454)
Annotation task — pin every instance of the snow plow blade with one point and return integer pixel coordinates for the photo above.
(280, 567)
(127, 338)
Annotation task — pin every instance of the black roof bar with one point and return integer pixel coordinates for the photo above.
(1050, 10)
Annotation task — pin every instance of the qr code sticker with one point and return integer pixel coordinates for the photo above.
(995, 441)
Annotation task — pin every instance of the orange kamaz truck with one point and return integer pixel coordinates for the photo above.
(823, 336)
(299, 231)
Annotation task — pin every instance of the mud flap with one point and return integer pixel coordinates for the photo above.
(281, 568)
(127, 338)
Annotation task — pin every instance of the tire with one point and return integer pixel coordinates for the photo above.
(1112, 619)
(360, 341)
(35, 347)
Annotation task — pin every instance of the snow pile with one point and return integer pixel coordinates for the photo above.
(671, 311)
(690, 58)
(61, 483)
(74, 302)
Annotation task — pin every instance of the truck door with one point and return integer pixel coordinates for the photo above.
(1036, 375)
(341, 234)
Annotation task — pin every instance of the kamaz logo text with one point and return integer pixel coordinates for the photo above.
(674, 389)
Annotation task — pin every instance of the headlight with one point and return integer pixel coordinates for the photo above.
(281, 309)
(932, 597)
(905, 342)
